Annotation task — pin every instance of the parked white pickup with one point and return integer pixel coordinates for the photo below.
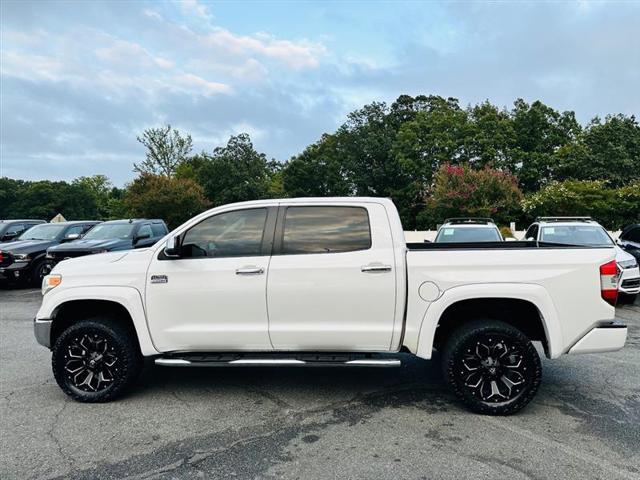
(327, 281)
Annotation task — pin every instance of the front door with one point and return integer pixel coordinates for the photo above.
(214, 296)
(332, 283)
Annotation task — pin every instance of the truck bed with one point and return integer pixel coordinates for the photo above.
(517, 245)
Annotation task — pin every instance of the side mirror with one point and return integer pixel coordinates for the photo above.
(529, 239)
(71, 236)
(172, 247)
(9, 236)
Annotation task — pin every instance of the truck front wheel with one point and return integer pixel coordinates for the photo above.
(95, 360)
(492, 367)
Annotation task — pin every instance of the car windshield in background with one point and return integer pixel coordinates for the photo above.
(47, 231)
(105, 232)
(467, 234)
(587, 235)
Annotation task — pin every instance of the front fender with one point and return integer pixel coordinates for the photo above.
(533, 293)
(129, 297)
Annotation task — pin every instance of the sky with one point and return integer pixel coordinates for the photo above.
(79, 81)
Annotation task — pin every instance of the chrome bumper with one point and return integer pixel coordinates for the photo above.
(42, 331)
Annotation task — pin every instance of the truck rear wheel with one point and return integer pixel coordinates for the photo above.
(492, 367)
(95, 360)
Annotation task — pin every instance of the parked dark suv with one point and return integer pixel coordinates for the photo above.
(108, 237)
(629, 239)
(11, 229)
(23, 260)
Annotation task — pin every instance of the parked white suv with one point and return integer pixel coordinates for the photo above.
(468, 229)
(588, 232)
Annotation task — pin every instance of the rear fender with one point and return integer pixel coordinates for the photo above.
(535, 294)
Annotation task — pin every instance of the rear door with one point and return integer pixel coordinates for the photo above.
(331, 283)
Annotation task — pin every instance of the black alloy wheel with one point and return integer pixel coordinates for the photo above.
(95, 360)
(90, 363)
(492, 367)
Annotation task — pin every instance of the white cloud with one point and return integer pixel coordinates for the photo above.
(205, 87)
(297, 55)
(195, 8)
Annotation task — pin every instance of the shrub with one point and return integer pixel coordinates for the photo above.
(461, 191)
(613, 208)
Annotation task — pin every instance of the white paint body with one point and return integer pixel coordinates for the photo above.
(325, 302)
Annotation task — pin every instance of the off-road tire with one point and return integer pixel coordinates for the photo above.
(521, 363)
(120, 343)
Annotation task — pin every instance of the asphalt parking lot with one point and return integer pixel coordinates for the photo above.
(313, 423)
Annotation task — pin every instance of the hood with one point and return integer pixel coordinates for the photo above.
(90, 261)
(26, 246)
(621, 255)
(91, 245)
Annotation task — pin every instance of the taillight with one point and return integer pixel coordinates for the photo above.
(609, 276)
(1, 256)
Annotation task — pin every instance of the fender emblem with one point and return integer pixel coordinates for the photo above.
(159, 279)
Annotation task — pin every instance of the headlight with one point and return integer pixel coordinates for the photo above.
(50, 282)
(633, 263)
(21, 257)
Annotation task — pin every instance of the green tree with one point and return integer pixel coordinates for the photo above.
(105, 195)
(490, 137)
(436, 135)
(317, 172)
(608, 150)
(175, 200)
(460, 190)
(233, 173)
(539, 131)
(166, 148)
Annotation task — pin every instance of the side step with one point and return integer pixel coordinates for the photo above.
(272, 360)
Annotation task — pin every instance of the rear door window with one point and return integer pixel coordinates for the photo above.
(325, 230)
(632, 235)
(158, 229)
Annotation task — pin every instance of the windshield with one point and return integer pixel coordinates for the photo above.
(467, 234)
(587, 235)
(47, 231)
(106, 232)
(3, 228)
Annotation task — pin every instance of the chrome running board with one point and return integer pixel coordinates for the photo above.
(299, 360)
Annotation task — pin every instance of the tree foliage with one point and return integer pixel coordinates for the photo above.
(612, 207)
(232, 173)
(174, 200)
(460, 190)
(166, 148)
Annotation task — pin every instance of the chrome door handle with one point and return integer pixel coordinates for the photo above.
(250, 271)
(375, 268)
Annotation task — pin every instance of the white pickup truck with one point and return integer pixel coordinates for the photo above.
(326, 282)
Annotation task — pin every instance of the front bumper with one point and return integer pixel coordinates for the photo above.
(15, 272)
(42, 331)
(630, 286)
(605, 338)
